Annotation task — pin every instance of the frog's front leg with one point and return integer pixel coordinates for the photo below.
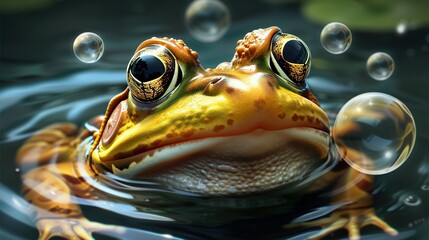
(353, 194)
(51, 183)
(56, 213)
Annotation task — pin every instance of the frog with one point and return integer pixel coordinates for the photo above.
(248, 126)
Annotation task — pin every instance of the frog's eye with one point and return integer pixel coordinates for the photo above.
(152, 73)
(290, 57)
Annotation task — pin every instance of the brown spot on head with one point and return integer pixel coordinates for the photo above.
(188, 132)
(229, 121)
(310, 119)
(295, 117)
(218, 128)
(281, 115)
(259, 104)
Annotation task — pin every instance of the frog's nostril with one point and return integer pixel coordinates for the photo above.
(216, 80)
(216, 85)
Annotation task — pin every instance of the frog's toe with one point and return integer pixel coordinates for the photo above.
(372, 219)
(329, 229)
(64, 229)
(352, 221)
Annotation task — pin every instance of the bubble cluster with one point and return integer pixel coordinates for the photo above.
(380, 66)
(207, 20)
(336, 38)
(374, 133)
(88, 47)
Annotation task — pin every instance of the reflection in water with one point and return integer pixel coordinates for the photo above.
(17, 208)
(73, 110)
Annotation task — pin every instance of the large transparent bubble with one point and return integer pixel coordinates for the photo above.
(207, 20)
(88, 47)
(374, 133)
(336, 38)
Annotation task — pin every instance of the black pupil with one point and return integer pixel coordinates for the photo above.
(147, 67)
(295, 52)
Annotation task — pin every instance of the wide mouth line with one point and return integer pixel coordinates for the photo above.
(184, 149)
(194, 140)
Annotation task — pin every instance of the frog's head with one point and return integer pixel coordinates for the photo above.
(246, 126)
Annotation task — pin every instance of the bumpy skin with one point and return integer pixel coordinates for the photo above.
(238, 129)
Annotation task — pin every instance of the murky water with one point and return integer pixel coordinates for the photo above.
(42, 83)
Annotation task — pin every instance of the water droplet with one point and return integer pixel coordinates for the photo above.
(17, 170)
(88, 47)
(207, 20)
(411, 200)
(336, 38)
(380, 66)
(374, 133)
(425, 187)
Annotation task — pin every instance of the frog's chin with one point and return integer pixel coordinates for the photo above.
(252, 162)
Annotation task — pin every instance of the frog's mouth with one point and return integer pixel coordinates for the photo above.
(252, 162)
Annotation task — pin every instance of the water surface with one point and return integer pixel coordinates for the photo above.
(42, 83)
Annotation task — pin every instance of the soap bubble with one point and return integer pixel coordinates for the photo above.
(380, 66)
(411, 200)
(374, 133)
(207, 20)
(336, 38)
(88, 47)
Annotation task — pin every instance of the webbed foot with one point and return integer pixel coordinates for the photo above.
(71, 228)
(351, 219)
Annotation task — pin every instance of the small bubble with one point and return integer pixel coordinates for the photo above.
(207, 20)
(88, 47)
(401, 28)
(336, 38)
(411, 200)
(380, 66)
(425, 187)
(17, 170)
(374, 133)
